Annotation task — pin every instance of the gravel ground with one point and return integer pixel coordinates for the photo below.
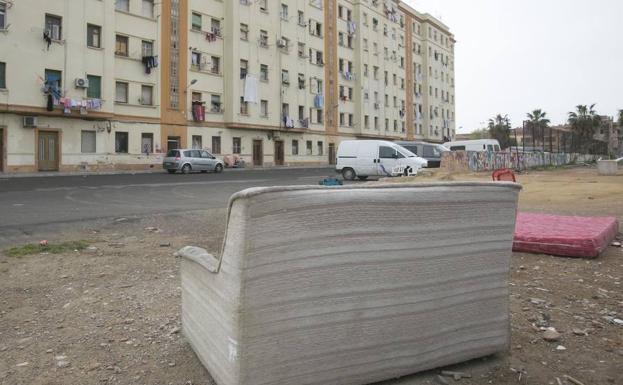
(110, 314)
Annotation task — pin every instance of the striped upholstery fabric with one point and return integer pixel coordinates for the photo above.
(352, 285)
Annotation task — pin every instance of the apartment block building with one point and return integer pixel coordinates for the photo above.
(114, 84)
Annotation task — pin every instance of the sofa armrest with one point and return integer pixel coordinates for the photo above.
(201, 257)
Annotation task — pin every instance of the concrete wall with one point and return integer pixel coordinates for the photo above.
(458, 161)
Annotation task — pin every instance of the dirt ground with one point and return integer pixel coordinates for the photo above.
(110, 314)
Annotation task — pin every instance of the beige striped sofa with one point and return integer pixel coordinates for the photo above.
(351, 285)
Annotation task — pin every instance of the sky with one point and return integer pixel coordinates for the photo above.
(513, 56)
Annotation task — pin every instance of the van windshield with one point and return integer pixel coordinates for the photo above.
(405, 152)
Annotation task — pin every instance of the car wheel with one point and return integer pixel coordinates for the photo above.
(349, 174)
(362, 177)
(218, 169)
(186, 169)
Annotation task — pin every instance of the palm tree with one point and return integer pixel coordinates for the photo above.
(537, 122)
(499, 128)
(583, 121)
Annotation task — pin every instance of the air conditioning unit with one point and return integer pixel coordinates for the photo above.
(30, 121)
(282, 43)
(82, 83)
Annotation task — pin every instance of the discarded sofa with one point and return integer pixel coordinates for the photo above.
(352, 285)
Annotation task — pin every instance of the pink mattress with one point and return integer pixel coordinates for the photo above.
(566, 236)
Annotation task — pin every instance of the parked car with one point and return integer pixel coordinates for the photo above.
(364, 158)
(474, 145)
(429, 151)
(188, 160)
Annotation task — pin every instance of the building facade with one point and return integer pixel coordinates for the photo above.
(114, 84)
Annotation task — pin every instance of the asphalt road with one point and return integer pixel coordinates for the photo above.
(34, 207)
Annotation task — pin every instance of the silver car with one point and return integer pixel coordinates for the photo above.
(187, 160)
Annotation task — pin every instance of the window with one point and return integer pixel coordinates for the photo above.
(236, 146)
(351, 120)
(244, 68)
(285, 109)
(215, 26)
(147, 48)
(263, 38)
(2, 75)
(386, 152)
(263, 6)
(264, 72)
(284, 12)
(148, 8)
(54, 78)
(244, 107)
(195, 60)
(216, 65)
(215, 104)
(121, 45)
(3, 16)
(285, 77)
(95, 87)
(264, 108)
(197, 142)
(244, 32)
(121, 92)
(320, 148)
(308, 147)
(301, 113)
(147, 95)
(301, 17)
(147, 143)
(53, 27)
(196, 22)
(301, 50)
(87, 141)
(295, 147)
(121, 142)
(122, 5)
(94, 36)
(216, 144)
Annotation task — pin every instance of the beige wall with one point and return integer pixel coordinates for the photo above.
(26, 56)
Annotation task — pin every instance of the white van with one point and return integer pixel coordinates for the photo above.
(364, 158)
(474, 145)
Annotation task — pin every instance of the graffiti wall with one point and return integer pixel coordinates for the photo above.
(457, 161)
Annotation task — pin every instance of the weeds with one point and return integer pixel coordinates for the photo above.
(59, 248)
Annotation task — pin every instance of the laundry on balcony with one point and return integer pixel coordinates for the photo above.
(304, 122)
(288, 122)
(351, 27)
(250, 89)
(211, 36)
(199, 111)
(150, 62)
(319, 101)
(348, 75)
(402, 113)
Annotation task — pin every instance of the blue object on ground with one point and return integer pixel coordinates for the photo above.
(330, 182)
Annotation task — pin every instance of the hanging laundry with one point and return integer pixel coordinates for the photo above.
(149, 62)
(198, 111)
(250, 89)
(210, 36)
(47, 38)
(50, 103)
(319, 101)
(351, 27)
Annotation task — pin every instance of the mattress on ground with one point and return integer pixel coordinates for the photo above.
(568, 236)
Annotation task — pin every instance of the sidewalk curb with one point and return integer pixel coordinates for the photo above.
(157, 171)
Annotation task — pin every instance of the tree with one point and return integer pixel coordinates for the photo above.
(620, 122)
(584, 121)
(482, 133)
(500, 129)
(537, 123)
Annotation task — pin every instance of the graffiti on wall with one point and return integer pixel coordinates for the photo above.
(489, 160)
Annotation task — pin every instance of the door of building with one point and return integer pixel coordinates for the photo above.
(331, 153)
(279, 153)
(258, 154)
(48, 151)
(1, 150)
